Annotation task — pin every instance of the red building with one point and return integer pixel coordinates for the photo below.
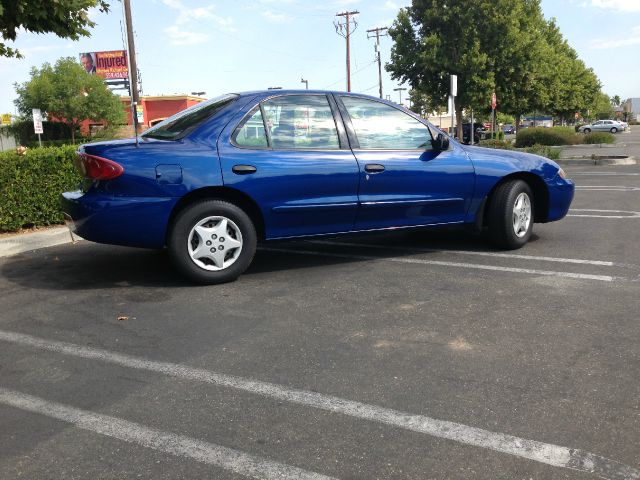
(154, 110)
(157, 108)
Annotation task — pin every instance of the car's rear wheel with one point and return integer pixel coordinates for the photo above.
(511, 214)
(614, 130)
(212, 241)
(587, 130)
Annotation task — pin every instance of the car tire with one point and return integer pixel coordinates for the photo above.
(511, 215)
(587, 130)
(212, 241)
(614, 130)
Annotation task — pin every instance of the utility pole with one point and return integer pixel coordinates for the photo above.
(344, 30)
(378, 33)
(133, 68)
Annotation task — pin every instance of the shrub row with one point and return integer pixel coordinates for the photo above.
(598, 137)
(547, 136)
(30, 186)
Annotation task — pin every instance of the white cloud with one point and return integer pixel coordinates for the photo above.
(277, 17)
(179, 36)
(390, 5)
(628, 40)
(182, 32)
(619, 5)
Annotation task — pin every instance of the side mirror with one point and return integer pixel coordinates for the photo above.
(440, 143)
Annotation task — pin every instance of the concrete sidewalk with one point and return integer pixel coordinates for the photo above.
(25, 242)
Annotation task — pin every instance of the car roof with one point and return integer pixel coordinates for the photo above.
(282, 91)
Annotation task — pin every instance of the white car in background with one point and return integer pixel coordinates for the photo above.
(612, 126)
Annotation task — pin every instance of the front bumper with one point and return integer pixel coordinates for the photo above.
(561, 194)
(118, 220)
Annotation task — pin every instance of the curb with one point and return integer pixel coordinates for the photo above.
(600, 160)
(25, 242)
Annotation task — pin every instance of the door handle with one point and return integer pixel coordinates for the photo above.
(243, 169)
(374, 168)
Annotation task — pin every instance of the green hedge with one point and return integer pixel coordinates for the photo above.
(501, 144)
(598, 137)
(30, 186)
(529, 137)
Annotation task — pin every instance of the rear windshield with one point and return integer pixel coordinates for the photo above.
(181, 124)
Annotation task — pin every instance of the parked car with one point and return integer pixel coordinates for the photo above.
(214, 180)
(508, 129)
(612, 126)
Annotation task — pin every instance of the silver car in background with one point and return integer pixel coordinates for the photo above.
(612, 126)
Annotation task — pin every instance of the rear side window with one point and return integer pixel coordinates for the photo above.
(301, 121)
(251, 133)
(181, 124)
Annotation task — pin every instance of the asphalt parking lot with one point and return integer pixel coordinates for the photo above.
(423, 355)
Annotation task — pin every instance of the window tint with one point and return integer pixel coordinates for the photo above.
(181, 124)
(301, 121)
(251, 133)
(380, 126)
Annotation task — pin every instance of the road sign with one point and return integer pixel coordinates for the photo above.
(37, 121)
(494, 102)
(6, 119)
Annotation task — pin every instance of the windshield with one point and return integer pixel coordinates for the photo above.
(180, 124)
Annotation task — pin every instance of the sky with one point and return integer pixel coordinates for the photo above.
(217, 46)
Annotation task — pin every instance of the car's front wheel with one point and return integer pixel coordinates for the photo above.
(511, 214)
(212, 241)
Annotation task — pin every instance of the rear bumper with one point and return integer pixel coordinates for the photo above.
(130, 221)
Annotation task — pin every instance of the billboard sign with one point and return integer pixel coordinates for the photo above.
(111, 65)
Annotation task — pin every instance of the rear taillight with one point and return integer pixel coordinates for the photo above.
(97, 168)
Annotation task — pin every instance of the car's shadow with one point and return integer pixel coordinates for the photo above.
(87, 265)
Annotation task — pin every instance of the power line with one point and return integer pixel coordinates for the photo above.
(344, 30)
(354, 73)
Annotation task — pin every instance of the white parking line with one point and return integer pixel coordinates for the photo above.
(605, 174)
(608, 188)
(546, 453)
(469, 252)
(474, 266)
(615, 214)
(179, 445)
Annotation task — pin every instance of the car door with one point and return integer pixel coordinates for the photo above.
(403, 180)
(290, 155)
(599, 126)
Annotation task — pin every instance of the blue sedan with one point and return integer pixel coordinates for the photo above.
(214, 180)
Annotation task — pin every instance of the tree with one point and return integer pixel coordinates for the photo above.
(432, 41)
(70, 94)
(615, 101)
(65, 18)
(601, 107)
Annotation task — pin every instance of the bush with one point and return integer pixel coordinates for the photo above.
(544, 151)
(497, 135)
(598, 137)
(30, 186)
(52, 131)
(546, 136)
(501, 144)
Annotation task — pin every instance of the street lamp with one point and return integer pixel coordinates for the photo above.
(306, 82)
(198, 94)
(399, 90)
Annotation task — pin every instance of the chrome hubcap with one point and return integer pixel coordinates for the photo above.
(214, 243)
(521, 215)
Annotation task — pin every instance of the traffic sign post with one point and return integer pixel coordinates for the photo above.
(37, 124)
